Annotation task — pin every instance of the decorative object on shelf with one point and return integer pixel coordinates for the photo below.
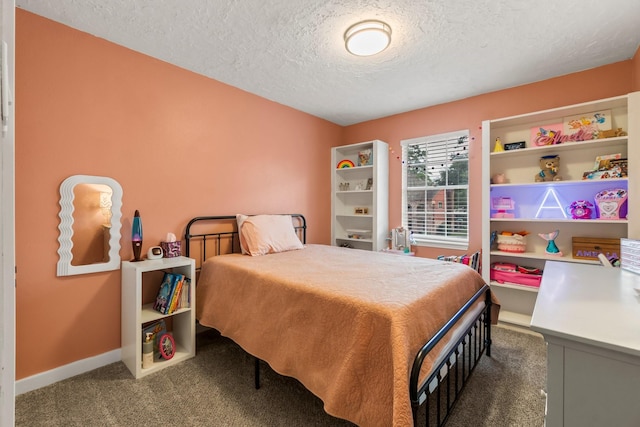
(154, 252)
(400, 239)
(361, 211)
(552, 248)
(346, 163)
(611, 133)
(365, 157)
(608, 166)
(155, 330)
(167, 346)
(492, 238)
(549, 169)
(136, 236)
(587, 126)
(344, 186)
(369, 184)
(512, 242)
(498, 178)
(147, 351)
(546, 135)
(591, 247)
(580, 209)
(502, 207)
(611, 204)
(171, 246)
(498, 146)
(503, 272)
(358, 234)
(554, 206)
(514, 145)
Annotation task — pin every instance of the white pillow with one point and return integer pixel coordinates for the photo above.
(267, 234)
(240, 219)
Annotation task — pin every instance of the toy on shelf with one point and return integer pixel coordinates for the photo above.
(609, 166)
(498, 178)
(611, 204)
(502, 207)
(552, 248)
(611, 133)
(549, 169)
(498, 147)
(512, 242)
(580, 209)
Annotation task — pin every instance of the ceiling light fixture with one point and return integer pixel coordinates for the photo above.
(367, 38)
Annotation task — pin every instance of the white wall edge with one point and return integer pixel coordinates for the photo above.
(44, 379)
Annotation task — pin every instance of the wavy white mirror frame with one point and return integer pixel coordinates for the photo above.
(65, 268)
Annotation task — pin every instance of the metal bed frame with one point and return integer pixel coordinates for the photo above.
(450, 374)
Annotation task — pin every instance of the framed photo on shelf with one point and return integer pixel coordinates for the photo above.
(167, 346)
(365, 157)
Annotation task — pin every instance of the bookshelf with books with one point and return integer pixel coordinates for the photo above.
(141, 292)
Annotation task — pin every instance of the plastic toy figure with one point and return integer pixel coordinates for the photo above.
(552, 248)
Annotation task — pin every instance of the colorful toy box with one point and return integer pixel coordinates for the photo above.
(611, 204)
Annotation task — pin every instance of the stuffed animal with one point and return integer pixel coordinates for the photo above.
(549, 169)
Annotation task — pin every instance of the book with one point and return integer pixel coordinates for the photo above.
(185, 295)
(175, 279)
(164, 292)
(175, 295)
(156, 329)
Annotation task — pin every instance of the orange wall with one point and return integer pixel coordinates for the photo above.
(602, 82)
(183, 145)
(179, 144)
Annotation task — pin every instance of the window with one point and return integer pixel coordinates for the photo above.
(435, 189)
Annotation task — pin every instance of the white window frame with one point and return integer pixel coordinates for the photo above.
(431, 240)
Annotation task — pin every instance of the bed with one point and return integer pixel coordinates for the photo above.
(375, 336)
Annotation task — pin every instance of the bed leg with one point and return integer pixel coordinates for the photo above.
(487, 322)
(256, 374)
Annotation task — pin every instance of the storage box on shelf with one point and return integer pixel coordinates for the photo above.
(521, 199)
(359, 201)
(140, 284)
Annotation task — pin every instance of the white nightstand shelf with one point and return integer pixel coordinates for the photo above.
(140, 284)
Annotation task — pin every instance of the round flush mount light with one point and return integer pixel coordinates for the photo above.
(367, 38)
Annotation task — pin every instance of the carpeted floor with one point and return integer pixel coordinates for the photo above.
(216, 389)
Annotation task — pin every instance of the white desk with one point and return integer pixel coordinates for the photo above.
(590, 318)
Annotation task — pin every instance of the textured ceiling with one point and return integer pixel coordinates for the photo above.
(292, 51)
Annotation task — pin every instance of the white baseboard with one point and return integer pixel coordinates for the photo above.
(44, 379)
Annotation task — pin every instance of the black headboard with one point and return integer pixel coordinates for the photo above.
(208, 236)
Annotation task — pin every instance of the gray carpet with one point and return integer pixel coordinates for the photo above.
(216, 389)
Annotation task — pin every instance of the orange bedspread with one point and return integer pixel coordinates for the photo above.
(344, 322)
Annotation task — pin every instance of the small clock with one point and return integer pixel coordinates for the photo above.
(167, 346)
(155, 252)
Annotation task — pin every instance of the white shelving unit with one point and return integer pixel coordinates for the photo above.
(140, 283)
(520, 167)
(360, 197)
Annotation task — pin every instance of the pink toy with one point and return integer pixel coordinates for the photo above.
(502, 207)
(580, 209)
(612, 204)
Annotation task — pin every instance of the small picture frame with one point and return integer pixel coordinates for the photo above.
(167, 346)
(369, 184)
(365, 157)
(514, 145)
(361, 211)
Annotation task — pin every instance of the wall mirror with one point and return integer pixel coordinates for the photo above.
(90, 213)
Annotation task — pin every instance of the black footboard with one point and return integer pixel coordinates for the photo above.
(440, 391)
